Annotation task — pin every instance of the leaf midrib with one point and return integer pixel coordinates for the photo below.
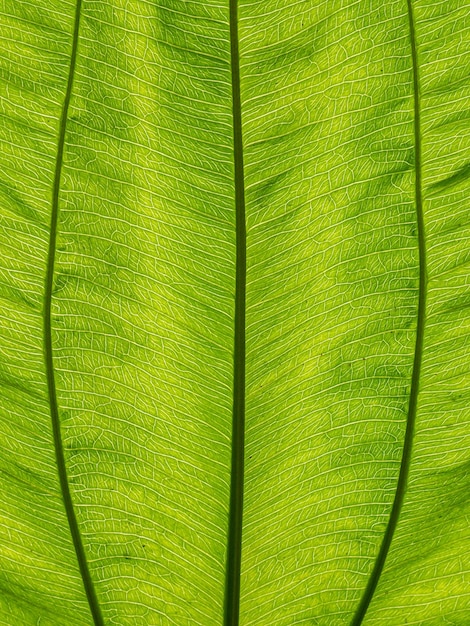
(232, 588)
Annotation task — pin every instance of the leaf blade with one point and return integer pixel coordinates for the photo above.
(143, 302)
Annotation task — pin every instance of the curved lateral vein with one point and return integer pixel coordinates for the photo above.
(59, 449)
(232, 588)
(415, 377)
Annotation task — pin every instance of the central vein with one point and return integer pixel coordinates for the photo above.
(232, 590)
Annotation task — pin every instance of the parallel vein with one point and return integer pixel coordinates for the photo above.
(59, 450)
(418, 355)
(232, 592)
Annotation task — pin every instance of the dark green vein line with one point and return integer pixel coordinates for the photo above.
(49, 361)
(232, 590)
(418, 355)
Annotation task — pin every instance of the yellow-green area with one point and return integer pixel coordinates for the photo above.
(142, 309)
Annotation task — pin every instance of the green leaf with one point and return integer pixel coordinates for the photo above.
(234, 283)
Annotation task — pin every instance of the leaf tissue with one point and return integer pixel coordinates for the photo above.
(235, 296)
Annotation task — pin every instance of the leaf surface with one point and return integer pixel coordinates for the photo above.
(124, 198)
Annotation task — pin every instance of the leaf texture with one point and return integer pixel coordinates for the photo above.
(117, 128)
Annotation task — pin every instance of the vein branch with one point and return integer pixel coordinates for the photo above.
(48, 352)
(418, 353)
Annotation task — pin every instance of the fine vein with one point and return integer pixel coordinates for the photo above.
(418, 355)
(232, 590)
(59, 449)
